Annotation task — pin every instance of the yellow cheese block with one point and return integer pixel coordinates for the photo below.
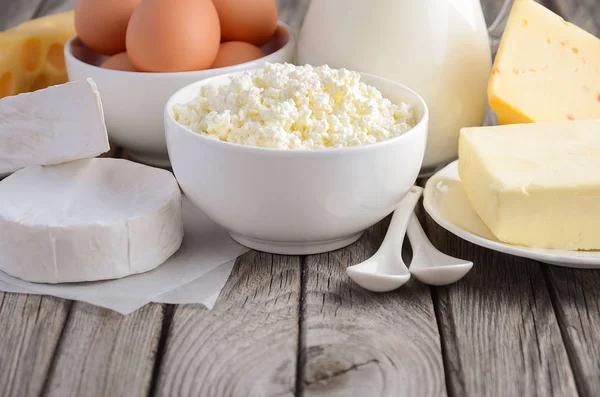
(31, 54)
(535, 184)
(545, 70)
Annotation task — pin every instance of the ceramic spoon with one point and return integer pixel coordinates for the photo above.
(386, 271)
(429, 265)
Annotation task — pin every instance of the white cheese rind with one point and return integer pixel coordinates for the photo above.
(86, 220)
(51, 126)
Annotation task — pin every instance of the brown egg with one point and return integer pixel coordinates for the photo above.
(119, 61)
(236, 52)
(101, 25)
(173, 36)
(253, 21)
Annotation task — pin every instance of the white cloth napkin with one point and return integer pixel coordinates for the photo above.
(194, 274)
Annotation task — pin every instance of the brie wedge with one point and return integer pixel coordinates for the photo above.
(51, 126)
(89, 219)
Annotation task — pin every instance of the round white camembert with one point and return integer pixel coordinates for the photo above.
(91, 219)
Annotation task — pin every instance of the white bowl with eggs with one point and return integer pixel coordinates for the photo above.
(133, 102)
(296, 201)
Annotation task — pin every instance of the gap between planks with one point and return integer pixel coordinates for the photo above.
(248, 344)
(167, 320)
(300, 361)
(357, 343)
(302, 306)
(54, 355)
(103, 353)
(31, 326)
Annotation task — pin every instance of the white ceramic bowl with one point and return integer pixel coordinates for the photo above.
(133, 102)
(296, 201)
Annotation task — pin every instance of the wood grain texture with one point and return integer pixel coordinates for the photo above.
(246, 346)
(103, 353)
(583, 13)
(358, 343)
(500, 333)
(49, 7)
(491, 10)
(576, 296)
(292, 12)
(576, 293)
(30, 328)
(13, 12)
(496, 14)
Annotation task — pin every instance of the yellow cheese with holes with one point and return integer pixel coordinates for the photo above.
(545, 70)
(31, 54)
(535, 184)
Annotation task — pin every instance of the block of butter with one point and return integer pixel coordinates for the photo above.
(535, 184)
(32, 54)
(545, 70)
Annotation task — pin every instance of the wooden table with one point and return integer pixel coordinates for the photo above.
(297, 326)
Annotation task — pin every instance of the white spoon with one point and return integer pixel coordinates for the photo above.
(429, 265)
(386, 271)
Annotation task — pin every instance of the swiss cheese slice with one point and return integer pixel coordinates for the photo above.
(535, 184)
(545, 70)
(32, 54)
(51, 126)
(90, 219)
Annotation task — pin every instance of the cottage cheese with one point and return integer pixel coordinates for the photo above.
(285, 106)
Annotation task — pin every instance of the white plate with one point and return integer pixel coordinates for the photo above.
(446, 202)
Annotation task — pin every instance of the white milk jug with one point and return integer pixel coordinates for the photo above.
(439, 48)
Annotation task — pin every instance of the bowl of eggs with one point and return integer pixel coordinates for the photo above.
(139, 52)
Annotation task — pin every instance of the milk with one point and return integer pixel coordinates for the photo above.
(439, 48)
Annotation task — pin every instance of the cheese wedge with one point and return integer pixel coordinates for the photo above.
(32, 54)
(535, 184)
(51, 126)
(90, 219)
(545, 70)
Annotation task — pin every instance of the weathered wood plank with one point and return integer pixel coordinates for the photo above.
(30, 328)
(499, 330)
(576, 293)
(576, 296)
(496, 14)
(49, 7)
(13, 12)
(246, 346)
(103, 353)
(358, 343)
(492, 8)
(583, 13)
(292, 12)
(500, 334)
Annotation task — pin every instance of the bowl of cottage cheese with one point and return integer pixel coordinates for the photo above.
(296, 159)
